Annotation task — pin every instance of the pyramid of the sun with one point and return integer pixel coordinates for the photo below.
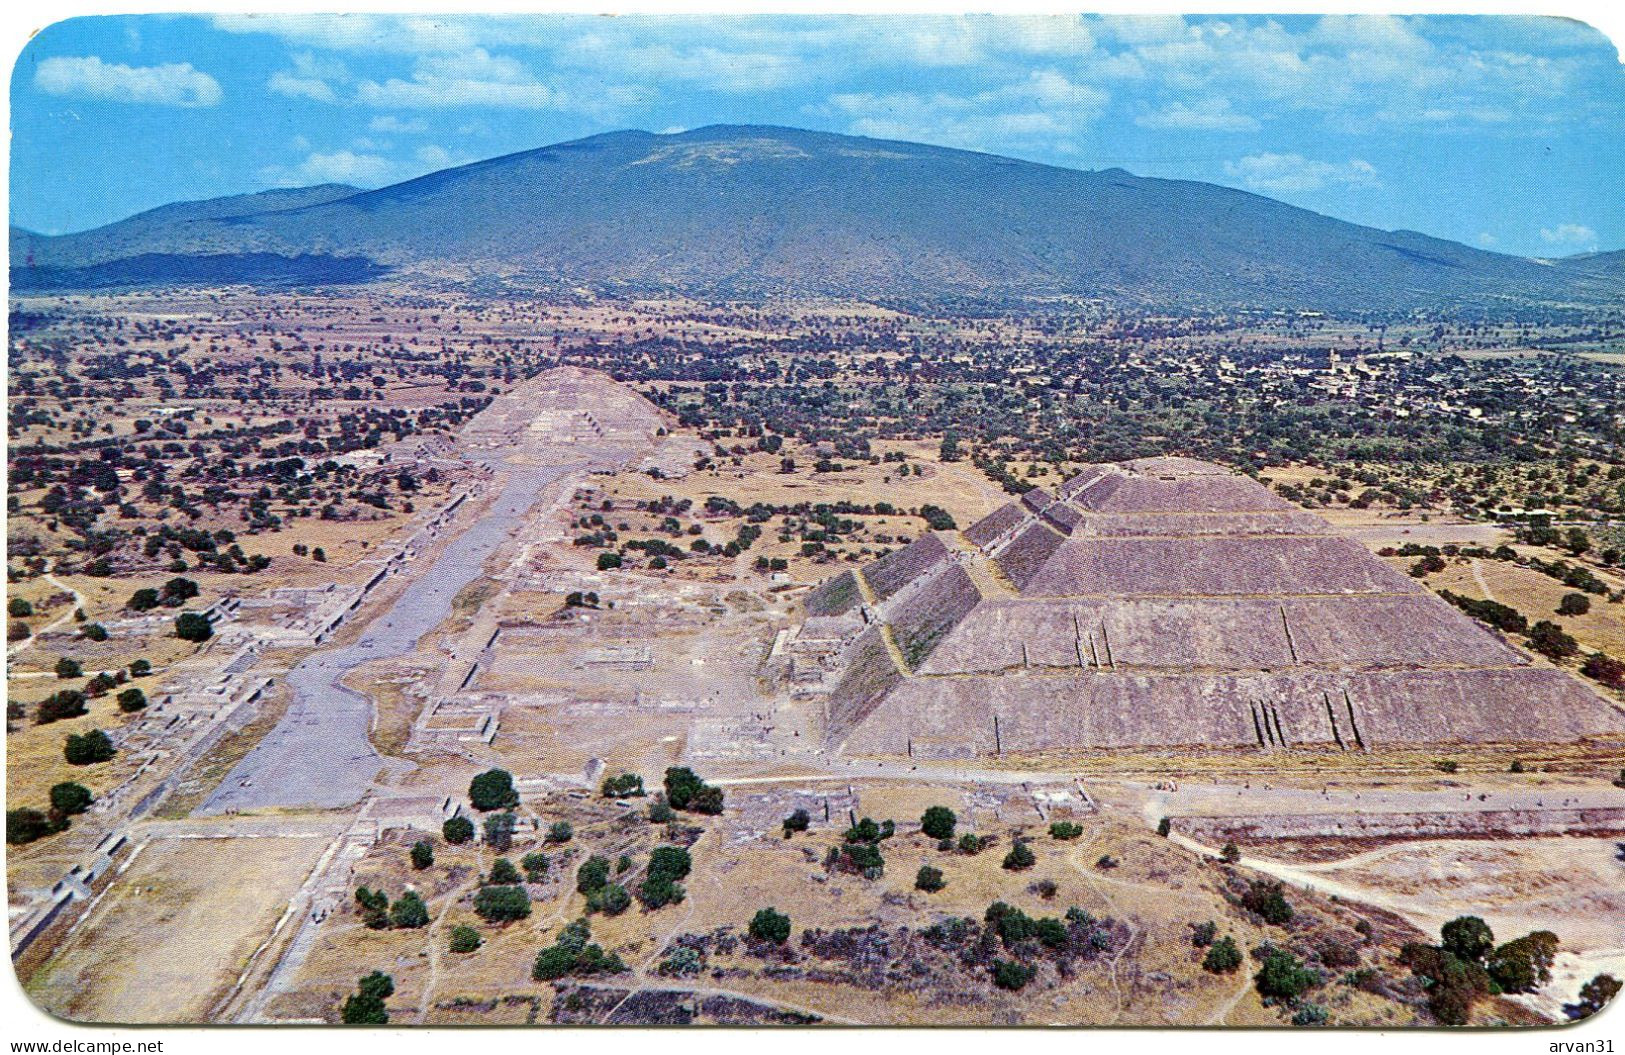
(1168, 603)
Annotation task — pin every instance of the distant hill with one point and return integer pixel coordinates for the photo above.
(745, 211)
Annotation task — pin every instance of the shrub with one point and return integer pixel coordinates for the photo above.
(194, 627)
(658, 891)
(972, 844)
(799, 821)
(770, 925)
(1012, 975)
(1164, 827)
(625, 786)
(132, 700)
(1265, 898)
(939, 822)
(1230, 854)
(593, 873)
(535, 866)
(503, 873)
(88, 749)
(611, 899)
(464, 939)
(1019, 857)
(94, 632)
(1467, 938)
(493, 790)
(1202, 934)
(499, 831)
(70, 799)
(502, 904)
(457, 830)
(1223, 957)
(560, 832)
(929, 879)
(1574, 604)
(1310, 1015)
(422, 854)
(660, 811)
(409, 913)
(61, 705)
(1283, 978)
(67, 669)
(681, 962)
(1066, 831)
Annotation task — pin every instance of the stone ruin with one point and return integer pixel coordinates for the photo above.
(1167, 603)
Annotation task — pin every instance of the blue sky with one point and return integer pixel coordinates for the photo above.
(1504, 133)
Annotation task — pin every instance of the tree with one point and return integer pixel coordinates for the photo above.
(1268, 900)
(24, 825)
(939, 822)
(1604, 669)
(499, 831)
(929, 879)
(373, 906)
(770, 925)
(1594, 996)
(132, 700)
(502, 873)
(68, 669)
(1524, 964)
(1012, 975)
(670, 862)
(686, 791)
(535, 866)
(502, 904)
(1066, 831)
(70, 799)
(88, 749)
(366, 1006)
(464, 939)
(493, 790)
(560, 832)
(1467, 937)
(658, 891)
(422, 854)
(143, 600)
(1223, 957)
(552, 963)
(660, 811)
(1283, 978)
(625, 786)
(611, 899)
(1019, 857)
(1165, 826)
(799, 821)
(409, 913)
(94, 632)
(194, 627)
(19, 608)
(608, 560)
(1551, 640)
(61, 704)
(593, 873)
(1574, 604)
(1230, 854)
(457, 830)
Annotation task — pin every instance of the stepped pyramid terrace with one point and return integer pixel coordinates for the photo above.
(1168, 603)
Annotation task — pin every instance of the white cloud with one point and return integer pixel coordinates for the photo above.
(173, 84)
(296, 87)
(339, 166)
(1287, 173)
(1488, 240)
(390, 124)
(470, 78)
(1213, 114)
(412, 35)
(1573, 235)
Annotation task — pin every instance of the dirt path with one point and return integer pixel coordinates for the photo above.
(78, 605)
(1478, 577)
(1134, 932)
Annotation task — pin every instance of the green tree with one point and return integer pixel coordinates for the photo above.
(464, 939)
(1467, 937)
(939, 822)
(1012, 975)
(499, 831)
(1552, 641)
(366, 1006)
(608, 560)
(409, 913)
(929, 879)
(68, 669)
(670, 862)
(798, 821)
(1268, 900)
(1283, 978)
(658, 891)
(132, 700)
(625, 786)
(88, 749)
(422, 854)
(1019, 857)
(1065, 830)
(593, 873)
(457, 830)
(94, 632)
(1574, 604)
(502, 873)
(686, 791)
(1223, 957)
(1594, 996)
(70, 799)
(373, 906)
(24, 825)
(535, 866)
(143, 600)
(19, 608)
(194, 627)
(770, 925)
(560, 832)
(1230, 854)
(611, 899)
(502, 904)
(493, 790)
(1523, 964)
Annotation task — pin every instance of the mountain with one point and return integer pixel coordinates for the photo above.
(749, 211)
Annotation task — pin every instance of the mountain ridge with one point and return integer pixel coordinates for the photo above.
(752, 211)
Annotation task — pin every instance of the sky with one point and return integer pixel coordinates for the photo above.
(1503, 133)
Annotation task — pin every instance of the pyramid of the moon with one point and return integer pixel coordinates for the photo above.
(1167, 603)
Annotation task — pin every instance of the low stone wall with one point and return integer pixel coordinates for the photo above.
(1602, 820)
